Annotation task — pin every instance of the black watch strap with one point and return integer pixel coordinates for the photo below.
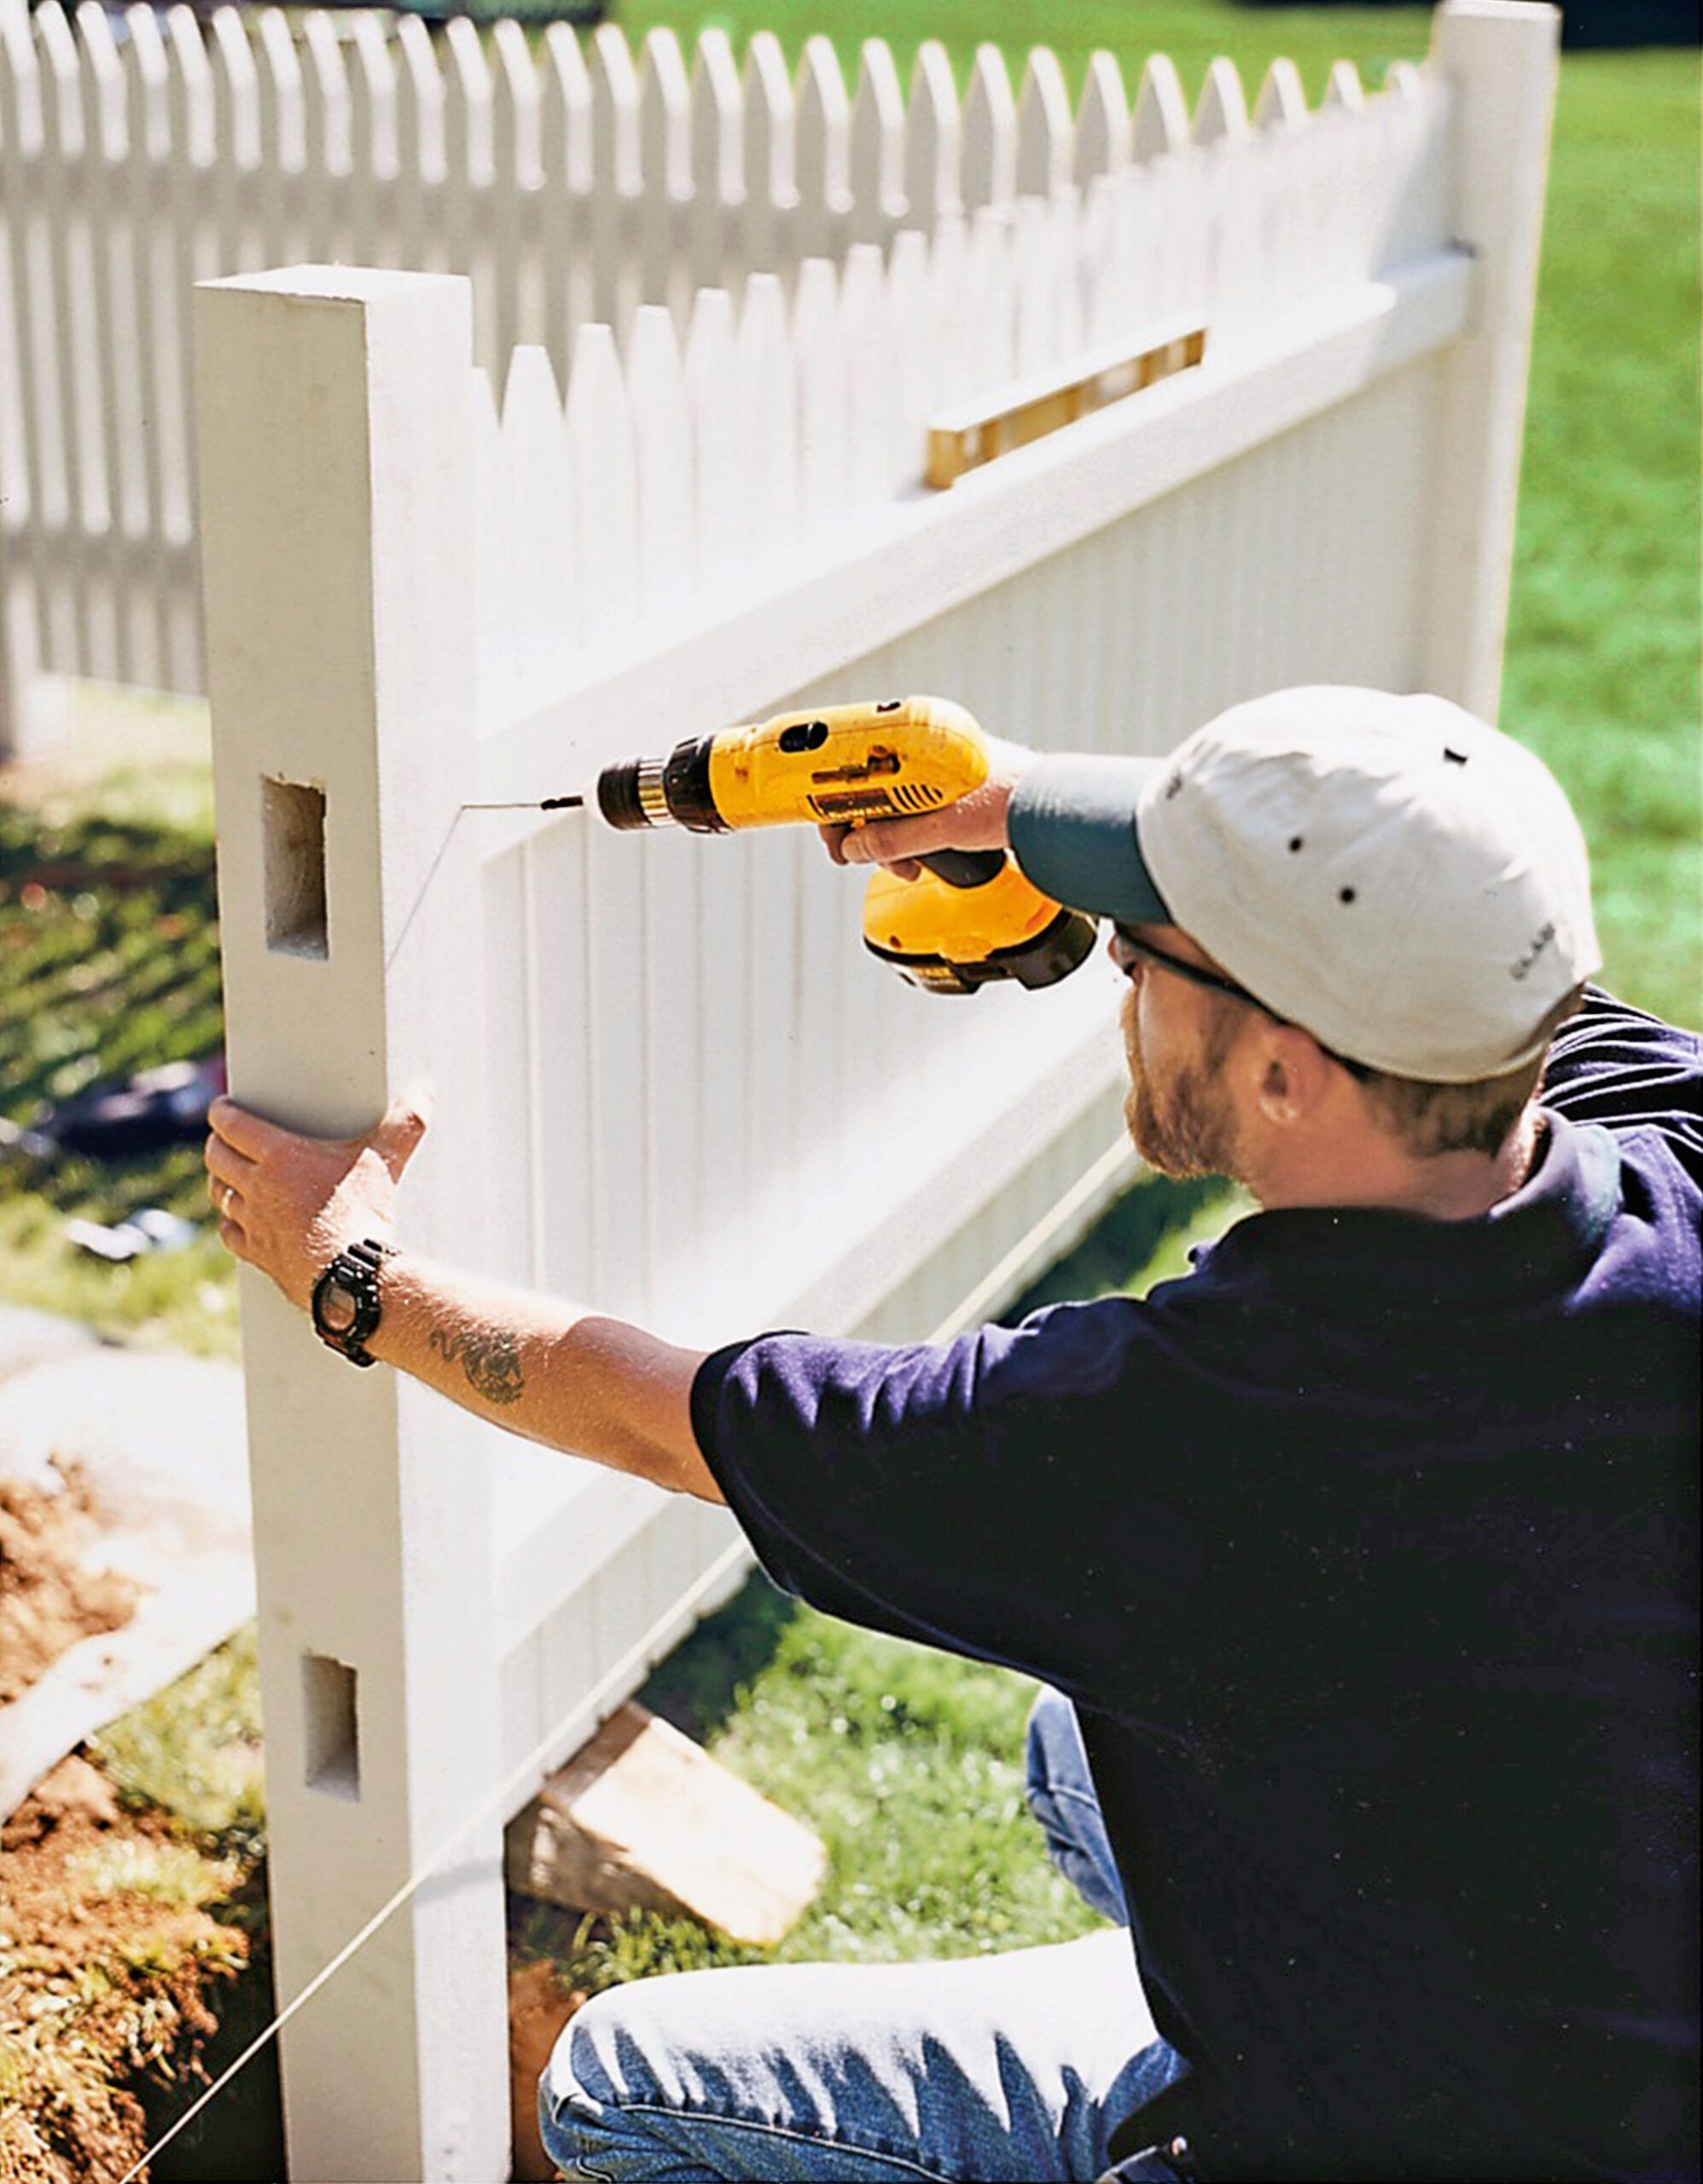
(355, 1273)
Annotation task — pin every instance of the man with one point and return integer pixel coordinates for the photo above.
(1361, 1558)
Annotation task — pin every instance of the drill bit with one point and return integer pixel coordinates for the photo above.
(546, 803)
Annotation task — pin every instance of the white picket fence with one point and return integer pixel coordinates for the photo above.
(143, 151)
(670, 1081)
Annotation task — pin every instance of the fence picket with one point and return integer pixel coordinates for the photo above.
(1033, 288)
(103, 89)
(932, 141)
(763, 364)
(990, 298)
(908, 366)
(721, 512)
(662, 449)
(1046, 134)
(1283, 103)
(877, 146)
(615, 177)
(372, 142)
(326, 112)
(1343, 88)
(990, 132)
(565, 154)
(235, 130)
(865, 343)
(516, 175)
(717, 185)
(1161, 116)
(768, 98)
(1222, 111)
(821, 392)
(951, 337)
(536, 480)
(147, 250)
(605, 525)
(664, 168)
(67, 599)
(467, 103)
(821, 129)
(1102, 121)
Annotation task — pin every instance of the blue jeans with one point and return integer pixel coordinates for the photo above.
(973, 2071)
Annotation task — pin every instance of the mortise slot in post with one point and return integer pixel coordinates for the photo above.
(332, 1741)
(293, 819)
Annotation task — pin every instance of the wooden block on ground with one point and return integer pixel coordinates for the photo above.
(642, 1818)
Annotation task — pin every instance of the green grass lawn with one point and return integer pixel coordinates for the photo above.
(908, 1764)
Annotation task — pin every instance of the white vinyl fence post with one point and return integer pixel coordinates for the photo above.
(336, 451)
(1501, 58)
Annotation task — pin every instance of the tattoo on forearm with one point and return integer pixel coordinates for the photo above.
(490, 1358)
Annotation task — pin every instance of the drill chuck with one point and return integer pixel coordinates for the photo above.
(672, 791)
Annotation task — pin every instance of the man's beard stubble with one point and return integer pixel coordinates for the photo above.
(1184, 1127)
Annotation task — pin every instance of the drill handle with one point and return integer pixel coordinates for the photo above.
(964, 867)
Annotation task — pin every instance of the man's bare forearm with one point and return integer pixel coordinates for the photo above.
(569, 1379)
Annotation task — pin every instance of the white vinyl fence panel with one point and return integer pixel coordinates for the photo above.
(671, 1084)
(571, 179)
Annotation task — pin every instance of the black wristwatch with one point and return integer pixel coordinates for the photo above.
(346, 1300)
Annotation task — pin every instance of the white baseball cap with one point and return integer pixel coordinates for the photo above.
(1390, 874)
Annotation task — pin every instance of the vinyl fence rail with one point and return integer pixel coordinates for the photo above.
(670, 1083)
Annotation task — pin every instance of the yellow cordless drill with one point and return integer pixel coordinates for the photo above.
(969, 920)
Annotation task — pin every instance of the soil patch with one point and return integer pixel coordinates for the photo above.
(48, 1599)
(114, 1933)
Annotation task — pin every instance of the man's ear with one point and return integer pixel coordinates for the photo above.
(1294, 1076)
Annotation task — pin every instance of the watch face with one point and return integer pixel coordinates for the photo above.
(337, 1308)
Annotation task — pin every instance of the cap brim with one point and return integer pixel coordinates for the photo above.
(1072, 829)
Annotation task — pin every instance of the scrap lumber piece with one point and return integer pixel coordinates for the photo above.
(642, 1819)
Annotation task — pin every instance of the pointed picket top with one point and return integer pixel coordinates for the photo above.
(325, 86)
(721, 512)
(931, 138)
(538, 486)
(1046, 131)
(1345, 91)
(948, 343)
(908, 363)
(191, 85)
(614, 114)
(19, 82)
(373, 94)
(990, 132)
(103, 86)
(1282, 102)
(762, 365)
(418, 106)
(565, 115)
(1031, 271)
(1404, 79)
(283, 138)
(768, 122)
(605, 490)
(988, 298)
(718, 112)
(1222, 111)
(662, 449)
(864, 344)
(877, 144)
(821, 129)
(61, 99)
(1102, 120)
(468, 101)
(822, 392)
(1161, 116)
(665, 115)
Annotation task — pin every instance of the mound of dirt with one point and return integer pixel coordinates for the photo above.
(48, 1598)
(108, 1952)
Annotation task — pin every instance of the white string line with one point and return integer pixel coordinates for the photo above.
(1057, 1214)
